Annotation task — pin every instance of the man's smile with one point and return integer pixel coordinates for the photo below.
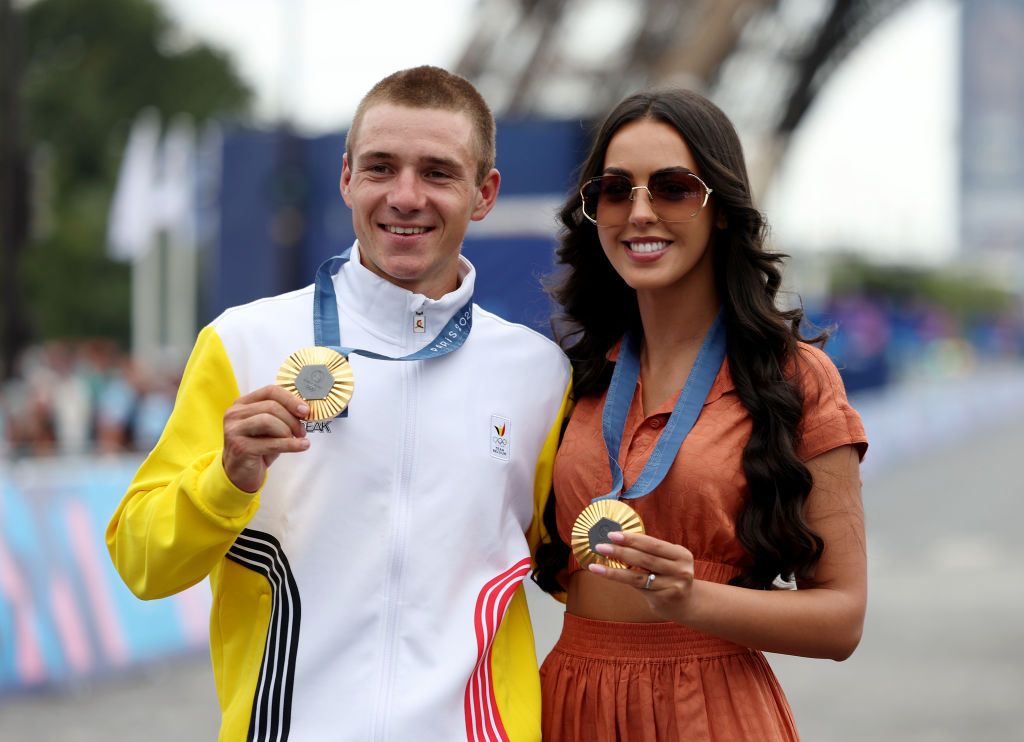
(394, 229)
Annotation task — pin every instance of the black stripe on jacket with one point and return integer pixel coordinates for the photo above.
(270, 718)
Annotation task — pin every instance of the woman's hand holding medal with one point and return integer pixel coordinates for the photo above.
(662, 571)
(259, 427)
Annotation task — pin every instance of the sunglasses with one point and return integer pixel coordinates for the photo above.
(675, 196)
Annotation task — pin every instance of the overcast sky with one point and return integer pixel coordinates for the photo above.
(873, 166)
(875, 162)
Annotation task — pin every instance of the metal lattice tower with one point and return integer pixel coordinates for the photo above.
(763, 61)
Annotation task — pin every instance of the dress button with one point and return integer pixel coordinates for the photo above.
(655, 422)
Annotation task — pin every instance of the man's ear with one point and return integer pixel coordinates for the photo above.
(486, 195)
(345, 184)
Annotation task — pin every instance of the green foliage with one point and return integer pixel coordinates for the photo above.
(88, 69)
(964, 295)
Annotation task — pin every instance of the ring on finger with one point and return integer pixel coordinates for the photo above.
(650, 581)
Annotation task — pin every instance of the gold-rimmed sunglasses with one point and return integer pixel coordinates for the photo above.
(675, 196)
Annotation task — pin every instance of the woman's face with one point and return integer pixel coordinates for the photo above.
(648, 253)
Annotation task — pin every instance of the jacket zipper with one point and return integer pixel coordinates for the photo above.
(398, 544)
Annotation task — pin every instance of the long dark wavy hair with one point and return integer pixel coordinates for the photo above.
(598, 307)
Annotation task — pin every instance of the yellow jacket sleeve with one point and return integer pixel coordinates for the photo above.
(542, 480)
(181, 513)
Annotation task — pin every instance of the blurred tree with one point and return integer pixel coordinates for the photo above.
(87, 69)
(964, 295)
(13, 200)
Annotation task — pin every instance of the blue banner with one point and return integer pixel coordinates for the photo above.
(65, 614)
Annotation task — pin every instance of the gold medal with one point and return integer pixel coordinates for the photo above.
(320, 377)
(594, 524)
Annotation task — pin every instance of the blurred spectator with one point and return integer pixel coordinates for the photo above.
(76, 397)
(878, 340)
(5, 445)
(70, 403)
(153, 407)
(29, 421)
(115, 402)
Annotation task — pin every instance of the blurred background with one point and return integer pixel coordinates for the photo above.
(161, 160)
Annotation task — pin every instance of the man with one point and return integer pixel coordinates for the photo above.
(367, 570)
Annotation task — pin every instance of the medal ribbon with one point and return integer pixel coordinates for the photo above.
(327, 328)
(684, 414)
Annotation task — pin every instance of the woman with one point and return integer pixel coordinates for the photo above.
(667, 278)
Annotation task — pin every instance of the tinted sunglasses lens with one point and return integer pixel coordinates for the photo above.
(606, 199)
(678, 197)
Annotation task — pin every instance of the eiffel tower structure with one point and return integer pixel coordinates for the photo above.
(762, 61)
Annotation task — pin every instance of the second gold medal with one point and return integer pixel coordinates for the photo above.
(594, 524)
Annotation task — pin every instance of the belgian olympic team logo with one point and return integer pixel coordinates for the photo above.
(500, 437)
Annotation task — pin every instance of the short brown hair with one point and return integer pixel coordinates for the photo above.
(433, 87)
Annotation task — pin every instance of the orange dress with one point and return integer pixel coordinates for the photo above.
(633, 682)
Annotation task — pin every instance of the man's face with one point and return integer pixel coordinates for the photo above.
(410, 181)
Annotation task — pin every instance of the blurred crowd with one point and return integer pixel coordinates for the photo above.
(89, 397)
(877, 340)
(84, 397)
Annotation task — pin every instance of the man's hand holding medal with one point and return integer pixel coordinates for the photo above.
(259, 427)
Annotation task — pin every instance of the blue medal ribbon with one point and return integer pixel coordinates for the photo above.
(327, 327)
(681, 421)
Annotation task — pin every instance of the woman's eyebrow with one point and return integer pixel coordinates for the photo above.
(675, 170)
(660, 171)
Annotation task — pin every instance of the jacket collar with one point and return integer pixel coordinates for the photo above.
(389, 312)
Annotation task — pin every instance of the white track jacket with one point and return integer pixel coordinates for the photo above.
(372, 588)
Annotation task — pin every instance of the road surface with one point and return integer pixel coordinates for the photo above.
(942, 656)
